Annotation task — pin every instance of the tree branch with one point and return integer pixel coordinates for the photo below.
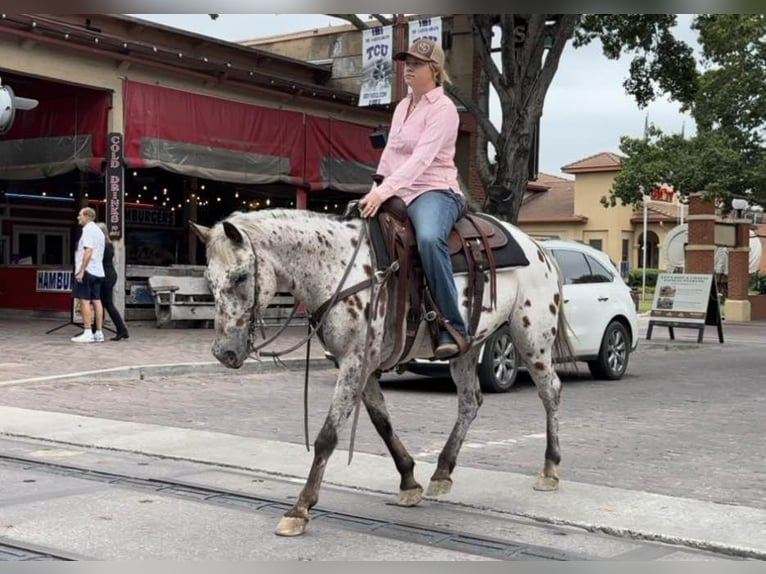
(508, 49)
(483, 118)
(353, 19)
(382, 19)
(482, 28)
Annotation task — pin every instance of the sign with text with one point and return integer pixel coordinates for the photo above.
(685, 300)
(377, 66)
(681, 296)
(115, 186)
(426, 28)
(53, 281)
(149, 216)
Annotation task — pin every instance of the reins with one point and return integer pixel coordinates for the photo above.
(323, 311)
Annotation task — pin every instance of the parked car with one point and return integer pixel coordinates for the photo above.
(600, 310)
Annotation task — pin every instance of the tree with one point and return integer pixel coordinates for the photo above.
(530, 48)
(727, 156)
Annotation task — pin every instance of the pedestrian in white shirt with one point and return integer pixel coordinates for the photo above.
(89, 276)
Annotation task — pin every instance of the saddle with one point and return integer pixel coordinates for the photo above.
(478, 246)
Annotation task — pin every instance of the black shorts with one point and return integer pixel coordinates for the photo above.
(89, 289)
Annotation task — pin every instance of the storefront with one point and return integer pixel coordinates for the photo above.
(194, 146)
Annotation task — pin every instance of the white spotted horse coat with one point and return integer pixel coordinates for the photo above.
(252, 256)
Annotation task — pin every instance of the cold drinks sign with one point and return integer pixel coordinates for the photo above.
(115, 186)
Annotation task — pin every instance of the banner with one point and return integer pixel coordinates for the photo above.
(426, 28)
(377, 66)
(115, 186)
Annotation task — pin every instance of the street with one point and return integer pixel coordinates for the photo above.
(682, 431)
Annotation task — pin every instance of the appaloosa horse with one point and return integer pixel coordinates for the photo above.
(252, 256)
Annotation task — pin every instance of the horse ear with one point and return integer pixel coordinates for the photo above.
(233, 233)
(200, 231)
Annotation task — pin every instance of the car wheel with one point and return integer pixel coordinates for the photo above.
(499, 364)
(614, 354)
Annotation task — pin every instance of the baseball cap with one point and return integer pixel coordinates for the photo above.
(424, 49)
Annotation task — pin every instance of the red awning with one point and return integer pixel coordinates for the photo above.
(213, 138)
(66, 131)
(224, 140)
(339, 155)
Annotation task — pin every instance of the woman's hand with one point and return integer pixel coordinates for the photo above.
(370, 203)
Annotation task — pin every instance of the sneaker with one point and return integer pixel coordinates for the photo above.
(85, 337)
(98, 337)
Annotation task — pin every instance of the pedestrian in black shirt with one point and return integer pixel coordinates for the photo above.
(108, 287)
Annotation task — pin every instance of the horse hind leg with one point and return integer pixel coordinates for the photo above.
(463, 370)
(536, 351)
(410, 492)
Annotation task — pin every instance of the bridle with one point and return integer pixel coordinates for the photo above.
(378, 279)
(256, 319)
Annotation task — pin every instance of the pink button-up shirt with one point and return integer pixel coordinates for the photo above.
(420, 153)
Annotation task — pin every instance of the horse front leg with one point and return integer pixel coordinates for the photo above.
(463, 370)
(295, 520)
(410, 492)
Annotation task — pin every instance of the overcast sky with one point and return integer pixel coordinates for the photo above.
(586, 109)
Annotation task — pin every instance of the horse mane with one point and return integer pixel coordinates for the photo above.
(219, 246)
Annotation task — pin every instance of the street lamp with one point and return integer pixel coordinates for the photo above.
(739, 205)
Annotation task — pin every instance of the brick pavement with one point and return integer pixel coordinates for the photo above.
(26, 351)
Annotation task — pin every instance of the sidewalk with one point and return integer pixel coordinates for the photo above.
(27, 352)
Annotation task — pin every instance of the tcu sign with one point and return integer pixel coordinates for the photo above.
(115, 186)
(377, 51)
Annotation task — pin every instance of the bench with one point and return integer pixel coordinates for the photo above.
(178, 298)
(184, 298)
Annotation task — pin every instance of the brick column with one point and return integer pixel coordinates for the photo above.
(737, 303)
(700, 248)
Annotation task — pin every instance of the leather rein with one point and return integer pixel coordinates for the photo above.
(316, 322)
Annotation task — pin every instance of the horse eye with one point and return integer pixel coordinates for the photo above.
(241, 278)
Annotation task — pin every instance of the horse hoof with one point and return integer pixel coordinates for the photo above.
(411, 497)
(547, 483)
(291, 526)
(439, 487)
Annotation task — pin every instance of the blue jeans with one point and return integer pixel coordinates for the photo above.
(433, 214)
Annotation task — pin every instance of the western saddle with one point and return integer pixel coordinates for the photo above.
(472, 245)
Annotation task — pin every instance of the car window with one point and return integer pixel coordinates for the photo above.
(599, 273)
(573, 265)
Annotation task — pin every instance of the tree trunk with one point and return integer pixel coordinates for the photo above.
(531, 49)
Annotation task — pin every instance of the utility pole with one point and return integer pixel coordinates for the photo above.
(400, 45)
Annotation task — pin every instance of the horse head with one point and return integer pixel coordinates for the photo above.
(242, 284)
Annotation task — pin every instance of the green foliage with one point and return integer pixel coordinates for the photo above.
(727, 156)
(635, 278)
(661, 63)
(758, 282)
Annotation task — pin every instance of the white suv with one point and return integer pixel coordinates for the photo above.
(600, 310)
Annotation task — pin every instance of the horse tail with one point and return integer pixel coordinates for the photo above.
(562, 344)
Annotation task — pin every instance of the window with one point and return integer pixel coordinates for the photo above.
(41, 245)
(573, 266)
(579, 268)
(596, 244)
(599, 273)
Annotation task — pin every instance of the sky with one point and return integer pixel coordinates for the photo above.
(586, 109)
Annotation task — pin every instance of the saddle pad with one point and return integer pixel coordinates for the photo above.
(509, 254)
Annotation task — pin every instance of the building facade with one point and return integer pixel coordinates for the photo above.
(196, 128)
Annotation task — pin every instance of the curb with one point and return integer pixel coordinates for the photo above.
(142, 371)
